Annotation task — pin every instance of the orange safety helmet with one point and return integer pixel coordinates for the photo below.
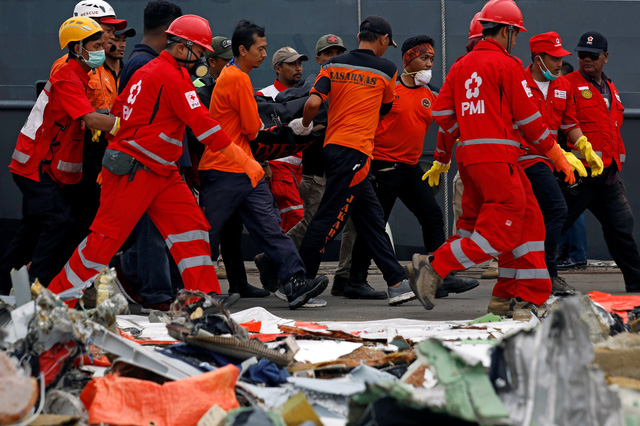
(502, 12)
(475, 28)
(192, 28)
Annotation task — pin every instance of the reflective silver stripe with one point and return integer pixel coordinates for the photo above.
(491, 142)
(455, 126)
(208, 133)
(464, 234)
(288, 209)
(567, 126)
(623, 158)
(528, 119)
(103, 110)
(72, 277)
(545, 134)
(456, 249)
(192, 262)
(440, 151)
(354, 67)
(440, 130)
(483, 244)
(523, 274)
(149, 154)
(531, 157)
(69, 167)
(20, 157)
(443, 112)
(170, 140)
(186, 237)
(578, 154)
(88, 263)
(47, 86)
(599, 154)
(515, 126)
(554, 132)
(529, 247)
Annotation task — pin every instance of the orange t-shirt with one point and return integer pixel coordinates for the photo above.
(102, 91)
(234, 107)
(357, 84)
(400, 136)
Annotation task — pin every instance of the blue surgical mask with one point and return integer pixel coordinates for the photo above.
(96, 58)
(545, 72)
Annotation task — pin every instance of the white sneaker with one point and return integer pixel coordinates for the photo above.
(312, 303)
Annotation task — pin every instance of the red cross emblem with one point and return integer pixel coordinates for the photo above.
(332, 39)
(192, 97)
(590, 40)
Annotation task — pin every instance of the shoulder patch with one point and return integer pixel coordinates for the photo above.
(192, 98)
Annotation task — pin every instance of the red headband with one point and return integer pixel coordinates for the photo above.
(416, 51)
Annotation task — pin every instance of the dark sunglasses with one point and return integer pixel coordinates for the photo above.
(590, 55)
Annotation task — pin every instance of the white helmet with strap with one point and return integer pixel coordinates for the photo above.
(93, 9)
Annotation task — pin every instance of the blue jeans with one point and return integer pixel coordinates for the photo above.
(575, 241)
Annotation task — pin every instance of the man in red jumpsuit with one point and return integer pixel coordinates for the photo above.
(484, 95)
(552, 95)
(140, 167)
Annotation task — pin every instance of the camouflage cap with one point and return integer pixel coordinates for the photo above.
(327, 41)
(221, 48)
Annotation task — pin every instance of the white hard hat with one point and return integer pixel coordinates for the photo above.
(93, 9)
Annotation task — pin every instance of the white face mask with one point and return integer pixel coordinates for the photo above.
(422, 77)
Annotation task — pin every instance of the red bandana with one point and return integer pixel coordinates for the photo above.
(416, 51)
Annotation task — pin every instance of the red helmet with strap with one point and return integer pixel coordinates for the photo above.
(192, 28)
(475, 28)
(502, 12)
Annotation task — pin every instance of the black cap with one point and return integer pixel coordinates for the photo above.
(127, 32)
(592, 41)
(379, 25)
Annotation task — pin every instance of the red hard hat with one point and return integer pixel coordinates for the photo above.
(502, 12)
(475, 28)
(192, 28)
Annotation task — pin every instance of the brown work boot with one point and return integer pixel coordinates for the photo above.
(499, 306)
(523, 311)
(424, 280)
(559, 287)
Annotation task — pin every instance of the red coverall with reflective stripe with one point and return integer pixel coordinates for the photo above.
(484, 94)
(558, 112)
(599, 124)
(154, 107)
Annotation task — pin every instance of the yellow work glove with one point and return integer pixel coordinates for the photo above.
(576, 164)
(435, 171)
(594, 161)
(95, 135)
(557, 155)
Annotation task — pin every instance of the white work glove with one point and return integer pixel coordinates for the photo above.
(297, 127)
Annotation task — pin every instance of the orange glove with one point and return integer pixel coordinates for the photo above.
(556, 154)
(251, 167)
(99, 179)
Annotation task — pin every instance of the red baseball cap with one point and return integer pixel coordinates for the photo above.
(120, 24)
(548, 43)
